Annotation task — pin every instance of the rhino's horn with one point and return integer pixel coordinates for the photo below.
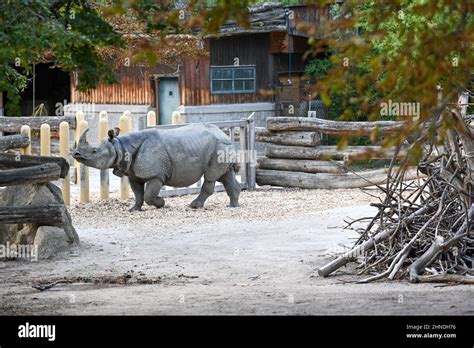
(83, 138)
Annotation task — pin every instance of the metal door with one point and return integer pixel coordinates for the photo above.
(168, 98)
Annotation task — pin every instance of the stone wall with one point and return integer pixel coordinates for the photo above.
(114, 111)
(226, 112)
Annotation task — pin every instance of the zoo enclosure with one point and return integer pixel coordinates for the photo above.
(241, 131)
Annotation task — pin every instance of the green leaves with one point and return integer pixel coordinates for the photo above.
(68, 32)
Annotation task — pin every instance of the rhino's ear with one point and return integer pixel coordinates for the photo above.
(112, 133)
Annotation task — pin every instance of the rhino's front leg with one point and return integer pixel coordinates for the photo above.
(152, 189)
(138, 189)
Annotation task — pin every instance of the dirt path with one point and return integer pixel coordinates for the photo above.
(258, 259)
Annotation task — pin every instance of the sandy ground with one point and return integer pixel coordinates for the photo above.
(258, 259)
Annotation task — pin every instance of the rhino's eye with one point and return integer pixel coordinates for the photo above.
(94, 151)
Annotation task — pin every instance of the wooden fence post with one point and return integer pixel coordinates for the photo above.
(176, 117)
(104, 174)
(45, 142)
(150, 119)
(251, 156)
(79, 119)
(243, 157)
(64, 152)
(84, 171)
(125, 125)
(26, 130)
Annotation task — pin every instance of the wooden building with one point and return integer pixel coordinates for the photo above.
(262, 64)
(244, 70)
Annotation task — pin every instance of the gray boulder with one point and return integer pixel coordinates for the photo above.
(34, 194)
(50, 241)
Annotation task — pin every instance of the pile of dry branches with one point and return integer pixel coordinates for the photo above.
(424, 229)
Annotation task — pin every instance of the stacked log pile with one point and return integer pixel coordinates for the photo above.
(294, 156)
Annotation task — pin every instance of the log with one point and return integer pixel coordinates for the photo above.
(297, 165)
(45, 215)
(330, 152)
(13, 124)
(287, 138)
(353, 129)
(325, 180)
(35, 146)
(41, 173)
(8, 161)
(15, 141)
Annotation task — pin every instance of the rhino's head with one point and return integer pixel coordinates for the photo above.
(101, 157)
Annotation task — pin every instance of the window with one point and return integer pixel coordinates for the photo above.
(232, 79)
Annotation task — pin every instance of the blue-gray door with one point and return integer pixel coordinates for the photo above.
(168, 98)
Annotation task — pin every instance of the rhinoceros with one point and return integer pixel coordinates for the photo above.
(176, 157)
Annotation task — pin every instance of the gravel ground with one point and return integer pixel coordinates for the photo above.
(258, 259)
(266, 203)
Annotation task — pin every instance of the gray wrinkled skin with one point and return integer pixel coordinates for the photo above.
(176, 157)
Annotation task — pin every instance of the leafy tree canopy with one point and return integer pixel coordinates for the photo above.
(398, 50)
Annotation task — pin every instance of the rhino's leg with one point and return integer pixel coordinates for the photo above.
(138, 190)
(231, 186)
(152, 189)
(207, 189)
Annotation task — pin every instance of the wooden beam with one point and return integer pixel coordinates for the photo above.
(296, 165)
(15, 141)
(296, 138)
(44, 215)
(13, 124)
(30, 175)
(326, 181)
(8, 161)
(332, 127)
(330, 152)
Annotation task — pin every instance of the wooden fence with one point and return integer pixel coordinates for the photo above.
(62, 125)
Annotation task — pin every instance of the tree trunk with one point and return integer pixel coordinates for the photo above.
(330, 152)
(14, 142)
(324, 180)
(14, 124)
(8, 161)
(287, 138)
(30, 175)
(332, 127)
(44, 215)
(296, 165)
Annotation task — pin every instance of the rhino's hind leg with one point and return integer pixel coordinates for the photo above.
(152, 189)
(138, 189)
(232, 186)
(207, 189)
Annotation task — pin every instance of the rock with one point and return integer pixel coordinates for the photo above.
(34, 194)
(50, 241)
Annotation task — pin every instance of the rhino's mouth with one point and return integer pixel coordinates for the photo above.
(79, 156)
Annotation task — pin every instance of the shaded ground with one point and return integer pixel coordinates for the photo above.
(258, 259)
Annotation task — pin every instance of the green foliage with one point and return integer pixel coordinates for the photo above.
(68, 32)
(402, 52)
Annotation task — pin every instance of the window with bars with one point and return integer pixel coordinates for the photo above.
(232, 79)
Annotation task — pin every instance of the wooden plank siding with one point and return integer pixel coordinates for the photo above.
(251, 49)
(134, 88)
